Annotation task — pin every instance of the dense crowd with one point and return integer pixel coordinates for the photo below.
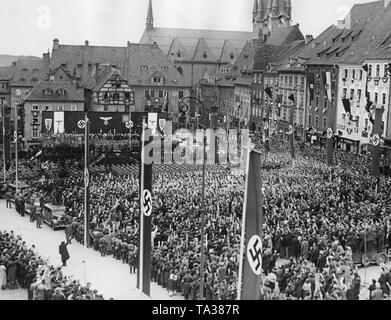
(22, 267)
(318, 220)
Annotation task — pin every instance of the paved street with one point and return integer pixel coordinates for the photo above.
(109, 276)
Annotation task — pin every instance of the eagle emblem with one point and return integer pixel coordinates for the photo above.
(106, 120)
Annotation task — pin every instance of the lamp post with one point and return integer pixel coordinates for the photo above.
(202, 258)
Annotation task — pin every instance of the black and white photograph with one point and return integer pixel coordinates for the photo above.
(193, 154)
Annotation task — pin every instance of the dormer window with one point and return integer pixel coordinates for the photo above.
(178, 54)
(47, 92)
(35, 70)
(25, 70)
(231, 55)
(205, 55)
(34, 80)
(22, 80)
(157, 80)
(60, 92)
(144, 67)
(164, 68)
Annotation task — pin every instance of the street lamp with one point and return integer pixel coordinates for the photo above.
(202, 258)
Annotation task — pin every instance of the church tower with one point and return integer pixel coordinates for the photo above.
(258, 15)
(271, 15)
(149, 23)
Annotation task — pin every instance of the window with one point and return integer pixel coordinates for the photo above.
(357, 121)
(385, 70)
(351, 94)
(157, 80)
(324, 123)
(325, 102)
(343, 119)
(147, 95)
(366, 124)
(317, 102)
(152, 92)
(370, 70)
(378, 70)
(180, 94)
(310, 120)
(105, 107)
(161, 94)
(144, 67)
(73, 108)
(60, 108)
(376, 97)
(317, 121)
(346, 73)
(354, 73)
(344, 93)
(384, 99)
(164, 68)
(35, 134)
(360, 75)
(36, 108)
(359, 94)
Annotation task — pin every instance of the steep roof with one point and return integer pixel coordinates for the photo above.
(136, 62)
(81, 59)
(189, 38)
(6, 73)
(285, 35)
(145, 60)
(28, 72)
(37, 93)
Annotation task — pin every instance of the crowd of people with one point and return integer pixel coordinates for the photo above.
(22, 267)
(317, 222)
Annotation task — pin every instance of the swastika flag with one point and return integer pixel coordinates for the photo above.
(253, 220)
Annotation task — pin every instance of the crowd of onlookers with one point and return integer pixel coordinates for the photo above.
(317, 221)
(22, 267)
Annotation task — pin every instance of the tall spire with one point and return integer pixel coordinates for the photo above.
(150, 16)
(288, 7)
(255, 10)
(261, 10)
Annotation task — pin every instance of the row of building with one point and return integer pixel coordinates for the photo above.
(228, 71)
(338, 79)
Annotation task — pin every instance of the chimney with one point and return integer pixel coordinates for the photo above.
(386, 3)
(56, 43)
(86, 43)
(308, 38)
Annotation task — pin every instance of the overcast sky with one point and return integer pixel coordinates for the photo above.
(28, 27)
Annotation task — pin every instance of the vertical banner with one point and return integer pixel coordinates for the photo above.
(58, 122)
(266, 127)
(86, 181)
(145, 246)
(377, 134)
(250, 269)
(7, 137)
(291, 131)
(330, 138)
(311, 85)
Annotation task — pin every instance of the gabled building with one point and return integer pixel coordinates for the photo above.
(195, 52)
(47, 107)
(26, 74)
(148, 80)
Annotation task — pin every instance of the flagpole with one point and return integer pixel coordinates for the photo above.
(86, 193)
(4, 161)
(241, 257)
(16, 148)
(141, 231)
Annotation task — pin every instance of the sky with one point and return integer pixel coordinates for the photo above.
(28, 27)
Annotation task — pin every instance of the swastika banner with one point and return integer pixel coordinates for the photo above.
(252, 263)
